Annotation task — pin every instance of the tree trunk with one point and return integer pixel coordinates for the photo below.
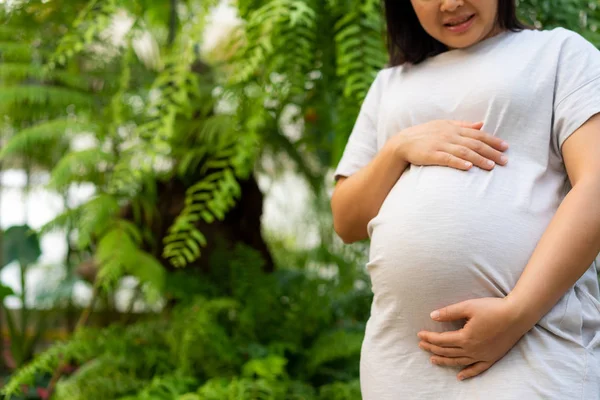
(241, 225)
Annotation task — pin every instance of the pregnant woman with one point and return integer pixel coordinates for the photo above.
(474, 168)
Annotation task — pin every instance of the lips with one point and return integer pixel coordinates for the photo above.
(458, 20)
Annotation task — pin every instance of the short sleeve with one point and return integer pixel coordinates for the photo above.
(361, 147)
(577, 91)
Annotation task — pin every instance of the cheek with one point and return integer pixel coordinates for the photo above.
(489, 9)
(427, 18)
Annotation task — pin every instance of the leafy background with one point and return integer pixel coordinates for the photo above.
(180, 142)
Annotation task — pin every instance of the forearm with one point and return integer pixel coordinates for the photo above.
(566, 250)
(358, 198)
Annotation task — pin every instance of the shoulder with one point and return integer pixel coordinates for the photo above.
(387, 75)
(383, 79)
(559, 38)
(555, 46)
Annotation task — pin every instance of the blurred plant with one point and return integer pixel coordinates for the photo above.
(220, 342)
(579, 15)
(21, 245)
(172, 147)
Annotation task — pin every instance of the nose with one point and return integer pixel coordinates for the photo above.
(450, 5)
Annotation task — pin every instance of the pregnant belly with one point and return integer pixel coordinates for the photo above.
(443, 236)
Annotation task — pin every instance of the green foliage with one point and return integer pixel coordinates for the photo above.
(333, 346)
(234, 332)
(99, 378)
(271, 30)
(209, 200)
(578, 15)
(38, 95)
(75, 93)
(80, 166)
(21, 244)
(231, 345)
(320, 56)
(119, 254)
(15, 51)
(340, 391)
(91, 22)
(44, 133)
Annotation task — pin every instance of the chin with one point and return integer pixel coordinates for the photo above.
(461, 42)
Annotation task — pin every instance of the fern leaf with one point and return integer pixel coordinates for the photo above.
(40, 95)
(43, 134)
(267, 30)
(334, 346)
(119, 254)
(340, 391)
(209, 199)
(15, 52)
(83, 346)
(93, 20)
(242, 389)
(102, 378)
(214, 195)
(359, 59)
(80, 166)
(14, 72)
(8, 32)
(172, 386)
(61, 221)
(270, 368)
(95, 217)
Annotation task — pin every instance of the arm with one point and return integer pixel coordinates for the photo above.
(572, 240)
(357, 199)
(564, 253)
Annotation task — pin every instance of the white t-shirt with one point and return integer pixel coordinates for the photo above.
(443, 235)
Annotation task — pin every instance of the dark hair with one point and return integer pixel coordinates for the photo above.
(408, 41)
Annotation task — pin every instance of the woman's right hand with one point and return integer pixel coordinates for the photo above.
(453, 144)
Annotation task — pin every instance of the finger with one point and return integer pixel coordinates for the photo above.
(442, 351)
(444, 339)
(474, 370)
(453, 312)
(491, 140)
(484, 150)
(469, 155)
(452, 362)
(450, 160)
(467, 124)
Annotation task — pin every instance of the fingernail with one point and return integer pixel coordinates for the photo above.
(434, 362)
(460, 377)
(504, 145)
(435, 315)
(468, 164)
(490, 163)
(503, 159)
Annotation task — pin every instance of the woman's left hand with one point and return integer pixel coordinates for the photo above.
(493, 327)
